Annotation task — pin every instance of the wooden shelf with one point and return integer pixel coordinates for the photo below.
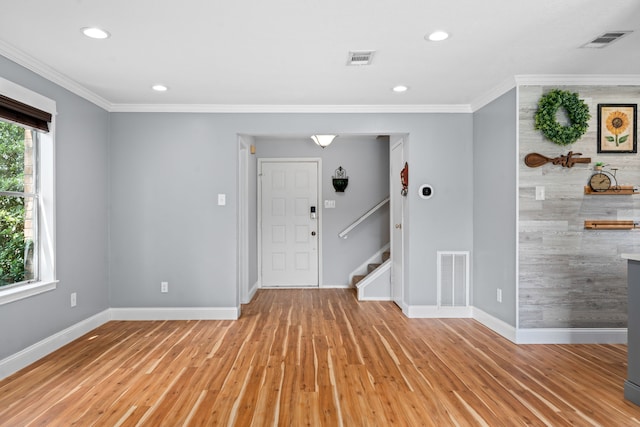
(621, 191)
(592, 224)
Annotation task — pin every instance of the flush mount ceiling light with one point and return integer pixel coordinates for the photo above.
(400, 88)
(95, 33)
(437, 36)
(323, 140)
(159, 88)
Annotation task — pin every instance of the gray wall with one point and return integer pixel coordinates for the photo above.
(81, 220)
(494, 207)
(166, 170)
(366, 160)
(568, 276)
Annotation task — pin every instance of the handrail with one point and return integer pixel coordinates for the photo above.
(346, 231)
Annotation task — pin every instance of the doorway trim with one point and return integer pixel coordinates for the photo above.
(396, 142)
(319, 209)
(243, 295)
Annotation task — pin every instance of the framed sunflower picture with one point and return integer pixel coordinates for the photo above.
(617, 128)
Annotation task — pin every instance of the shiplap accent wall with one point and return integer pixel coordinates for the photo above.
(570, 277)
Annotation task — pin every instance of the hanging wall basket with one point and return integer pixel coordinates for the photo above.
(340, 180)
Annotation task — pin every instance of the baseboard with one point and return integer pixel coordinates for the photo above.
(175, 313)
(496, 325)
(523, 336)
(572, 336)
(37, 351)
(375, 298)
(252, 292)
(435, 312)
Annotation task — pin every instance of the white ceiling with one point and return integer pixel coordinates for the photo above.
(294, 52)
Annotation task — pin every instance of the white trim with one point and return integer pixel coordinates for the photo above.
(493, 94)
(252, 291)
(435, 312)
(292, 108)
(47, 200)
(35, 352)
(26, 96)
(243, 218)
(572, 336)
(496, 325)
(516, 184)
(364, 298)
(175, 313)
(38, 67)
(383, 269)
(551, 335)
(18, 292)
(577, 79)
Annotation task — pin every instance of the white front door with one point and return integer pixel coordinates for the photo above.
(289, 223)
(397, 211)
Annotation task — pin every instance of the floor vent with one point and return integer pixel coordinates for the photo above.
(605, 39)
(453, 279)
(361, 57)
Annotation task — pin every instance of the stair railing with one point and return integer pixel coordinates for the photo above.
(370, 212)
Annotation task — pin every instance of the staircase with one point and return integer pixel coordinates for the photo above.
(375, 285)
(372, 279)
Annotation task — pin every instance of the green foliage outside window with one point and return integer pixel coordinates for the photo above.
(12, 209)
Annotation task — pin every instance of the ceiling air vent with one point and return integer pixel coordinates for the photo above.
(360, 57)
(605, 39)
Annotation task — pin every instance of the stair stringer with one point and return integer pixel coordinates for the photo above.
(361, 270)
(376, 286)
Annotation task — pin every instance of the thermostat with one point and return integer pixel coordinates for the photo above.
(425, 191)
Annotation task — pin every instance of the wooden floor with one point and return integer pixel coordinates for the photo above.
(317, 357)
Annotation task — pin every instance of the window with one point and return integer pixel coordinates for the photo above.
(27, 235)
(18, 204)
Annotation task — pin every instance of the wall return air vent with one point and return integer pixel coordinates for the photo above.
(360, 57)
(606, 39)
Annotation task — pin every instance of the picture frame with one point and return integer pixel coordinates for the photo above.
(617, 128)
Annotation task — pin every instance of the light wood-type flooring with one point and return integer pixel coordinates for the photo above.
(318, 358)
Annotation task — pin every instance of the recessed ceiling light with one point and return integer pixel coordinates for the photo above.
(400, 88)
(95, 33)
(437, 36)
(159, 88)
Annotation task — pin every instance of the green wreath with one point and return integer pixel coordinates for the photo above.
(577, 110)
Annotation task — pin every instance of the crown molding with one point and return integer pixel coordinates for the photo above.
(230, 108)
(27, 61)
(578, 79)
(493, 94)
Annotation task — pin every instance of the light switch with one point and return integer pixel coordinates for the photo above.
(329, 204)
(222, 199)
(539, 192)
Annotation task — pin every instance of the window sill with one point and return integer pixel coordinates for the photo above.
(25, 291)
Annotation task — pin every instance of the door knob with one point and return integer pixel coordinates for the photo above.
(398, 225)
(313, 233)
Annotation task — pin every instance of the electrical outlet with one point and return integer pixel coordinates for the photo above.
(499, 295)
(164, 287)
(74, 299)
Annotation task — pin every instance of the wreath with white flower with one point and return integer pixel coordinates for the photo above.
(577, 112)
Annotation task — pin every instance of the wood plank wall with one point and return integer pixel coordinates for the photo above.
(570, 277)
